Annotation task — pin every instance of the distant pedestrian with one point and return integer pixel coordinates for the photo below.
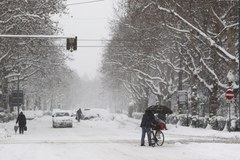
(21, 120)
(79, 114)
(147, 122)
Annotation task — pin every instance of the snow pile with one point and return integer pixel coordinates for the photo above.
(33, 114)
(3, 132)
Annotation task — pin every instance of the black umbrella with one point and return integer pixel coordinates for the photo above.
(159, 109)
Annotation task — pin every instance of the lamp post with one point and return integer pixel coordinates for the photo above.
(18, 94)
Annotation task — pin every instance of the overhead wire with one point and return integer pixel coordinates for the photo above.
(103, 40)
(85, 46)
(71, 4)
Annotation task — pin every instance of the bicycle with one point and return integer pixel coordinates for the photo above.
(157, 137)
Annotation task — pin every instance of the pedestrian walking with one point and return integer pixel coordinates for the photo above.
(79, 114)
(147, 122)
(21, 120)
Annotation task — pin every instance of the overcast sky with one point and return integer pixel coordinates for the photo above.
(87, 21)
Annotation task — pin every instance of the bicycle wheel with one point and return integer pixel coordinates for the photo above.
(153, 141)
(159, 138)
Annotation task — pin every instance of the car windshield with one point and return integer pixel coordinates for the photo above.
(61, 114)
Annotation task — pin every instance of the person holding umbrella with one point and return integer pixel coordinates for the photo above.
(147, 122)
(161, 112)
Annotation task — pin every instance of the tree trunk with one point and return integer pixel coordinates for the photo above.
(194, 101)
(213, 99)
(142, 105)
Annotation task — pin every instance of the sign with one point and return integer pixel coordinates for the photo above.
(229, 94)
(182, 97)
(16, 98)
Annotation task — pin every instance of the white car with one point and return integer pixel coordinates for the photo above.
(96, 113)
(62, 119)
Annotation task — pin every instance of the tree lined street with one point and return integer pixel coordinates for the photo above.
(181, 56)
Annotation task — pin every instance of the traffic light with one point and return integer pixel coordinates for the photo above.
(72, 44)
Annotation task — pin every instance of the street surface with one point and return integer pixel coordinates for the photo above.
(116, 139)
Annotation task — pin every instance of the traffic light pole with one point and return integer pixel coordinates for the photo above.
(34, 36)
(71, 41)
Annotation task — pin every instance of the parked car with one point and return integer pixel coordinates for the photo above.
(95, 113)
(62, 119)
(89, 114)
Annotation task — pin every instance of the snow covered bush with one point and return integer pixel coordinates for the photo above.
(199, 122)
(6, 117)
(213, 123)
(217, 122)
(183, 120)
(172, 119)
(221, 122)
(194, 122)
(237, 124)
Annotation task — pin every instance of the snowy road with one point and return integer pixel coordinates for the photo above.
(116, 139)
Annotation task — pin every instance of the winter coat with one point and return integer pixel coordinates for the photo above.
(21, 120)
(148, 120)
(79, 112)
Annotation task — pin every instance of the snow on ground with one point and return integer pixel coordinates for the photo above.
(114, 138)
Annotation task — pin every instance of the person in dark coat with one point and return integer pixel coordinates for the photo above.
(148, 120)
(79, 114)
(21, 120)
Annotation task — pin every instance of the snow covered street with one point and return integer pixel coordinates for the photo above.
(115, 138)
(79, 77)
